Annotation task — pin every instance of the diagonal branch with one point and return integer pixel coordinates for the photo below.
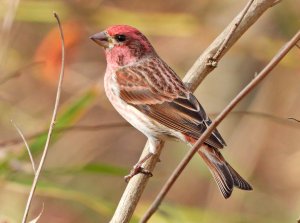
(193, 78)
(271, 65)
(213, 61)
(52, 123)
(201, 68)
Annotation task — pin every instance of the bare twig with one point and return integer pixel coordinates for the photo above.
(105, 126)
(270, 66)
(26, 145)
(294, 119)
(52, 123)
(213, 61)
(192, 79)
(280, 120)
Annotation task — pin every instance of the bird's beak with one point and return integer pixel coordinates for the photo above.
(101, 39)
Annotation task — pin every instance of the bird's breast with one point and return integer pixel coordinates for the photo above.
(137, 119)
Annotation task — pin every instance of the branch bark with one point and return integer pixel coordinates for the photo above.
(193, 78)
(200, 69)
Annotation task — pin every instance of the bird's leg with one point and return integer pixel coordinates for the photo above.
(137, 168)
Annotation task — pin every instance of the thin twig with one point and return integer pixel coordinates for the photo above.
(294, 119)
(263, 115)
(52, 123)
(270, 66)
(193, 78)
(105, 126)
(26, 145)
(16, 141)
(214, 60)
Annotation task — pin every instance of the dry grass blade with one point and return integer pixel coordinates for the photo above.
(52, 123)
(35, 220)
(26, 145)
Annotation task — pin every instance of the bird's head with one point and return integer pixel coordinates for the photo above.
(123, 44)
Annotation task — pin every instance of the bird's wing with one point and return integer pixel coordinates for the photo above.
(153, 88)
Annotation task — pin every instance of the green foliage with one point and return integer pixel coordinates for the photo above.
(45, 188)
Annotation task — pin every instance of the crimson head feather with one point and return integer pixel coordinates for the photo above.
(123, 45)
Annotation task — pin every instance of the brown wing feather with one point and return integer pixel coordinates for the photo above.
(165, 99)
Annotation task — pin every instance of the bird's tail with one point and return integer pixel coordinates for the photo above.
(225, 176)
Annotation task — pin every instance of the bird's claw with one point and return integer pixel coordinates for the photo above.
(136, 170)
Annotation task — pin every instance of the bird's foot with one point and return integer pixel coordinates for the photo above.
(136, 170)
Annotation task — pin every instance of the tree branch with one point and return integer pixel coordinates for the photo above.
(214, 60)
(271, 65)
(201, 68)
(193, 78)
(52, 123)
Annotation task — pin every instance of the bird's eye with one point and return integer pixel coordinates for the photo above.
(120, 38)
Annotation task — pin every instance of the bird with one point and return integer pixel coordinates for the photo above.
(149, 95)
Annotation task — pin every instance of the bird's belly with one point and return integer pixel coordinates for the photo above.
(137, 119)
(134, 116)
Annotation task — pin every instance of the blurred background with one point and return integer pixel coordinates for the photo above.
(93, 148)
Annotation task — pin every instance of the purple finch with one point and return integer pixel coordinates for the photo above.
(152, 98)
